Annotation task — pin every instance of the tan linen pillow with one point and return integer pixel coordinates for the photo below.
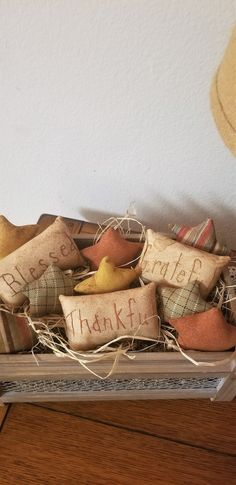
(171, 263)
(27, 263)
(92, 320)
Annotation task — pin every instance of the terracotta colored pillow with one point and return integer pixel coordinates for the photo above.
(27, 263)
(43, 294)
(15, 334)
(112, 244)
(93, 320)
(178, 302)
(107, 278)
(205, 331)
(201, 237)
(12, 237)
(171, 263)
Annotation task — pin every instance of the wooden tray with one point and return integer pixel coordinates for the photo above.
(151, 375)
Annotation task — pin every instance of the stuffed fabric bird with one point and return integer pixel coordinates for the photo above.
(108, 278)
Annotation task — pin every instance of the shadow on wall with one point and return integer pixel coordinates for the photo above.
(189, 212)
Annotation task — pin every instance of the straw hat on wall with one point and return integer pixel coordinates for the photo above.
(223, 95)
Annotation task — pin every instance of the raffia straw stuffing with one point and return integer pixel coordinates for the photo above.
(124, 226)
(60, 348)
(221, 299)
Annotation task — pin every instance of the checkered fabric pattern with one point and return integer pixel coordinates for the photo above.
(178, 302)
(43, 293)
(201, 237)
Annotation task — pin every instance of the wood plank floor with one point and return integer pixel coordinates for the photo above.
(137, 442)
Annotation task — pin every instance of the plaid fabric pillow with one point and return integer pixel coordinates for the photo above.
(43, 293)
(178, 302)
(15, 333)
(202, 237)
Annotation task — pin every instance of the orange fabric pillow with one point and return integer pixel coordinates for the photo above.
(112, 244)
(205, 331)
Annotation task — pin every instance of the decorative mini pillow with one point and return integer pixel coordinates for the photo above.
(93, 320)
(178, 302)
(27, 263)
(43, 294)
(171, 263)
(230, 281)
(201, 237)
(12, 237)
(107, 278)
(112, 244)
(205, 331)
(15, 333)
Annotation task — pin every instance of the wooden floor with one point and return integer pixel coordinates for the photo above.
(152, 442)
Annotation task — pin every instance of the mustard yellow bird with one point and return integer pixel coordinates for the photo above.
(108, 278)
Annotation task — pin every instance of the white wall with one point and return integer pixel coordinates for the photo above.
(105, 102)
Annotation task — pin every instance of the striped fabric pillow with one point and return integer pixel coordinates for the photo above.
(15, 333)
(201, 237)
